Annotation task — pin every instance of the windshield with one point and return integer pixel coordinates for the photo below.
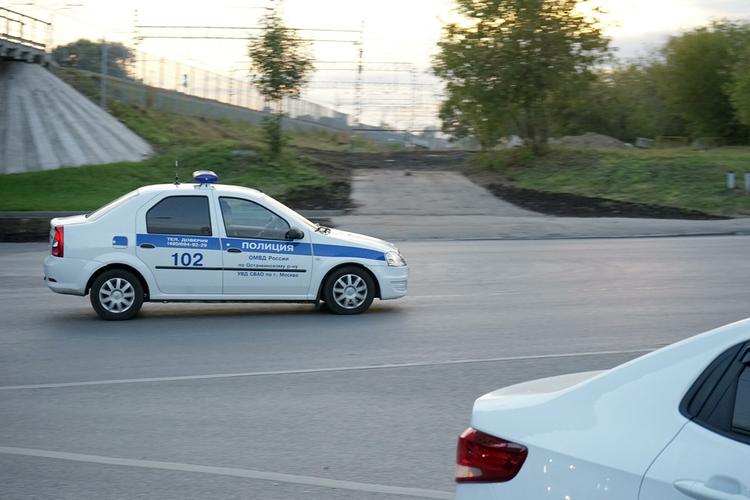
(100, 212)
(278, 205)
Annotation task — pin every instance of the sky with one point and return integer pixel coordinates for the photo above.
(399, 39)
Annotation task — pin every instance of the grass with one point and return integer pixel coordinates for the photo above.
(234, 150)
(680, 178)
(86, 188)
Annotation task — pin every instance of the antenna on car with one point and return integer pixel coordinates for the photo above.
(176, 174)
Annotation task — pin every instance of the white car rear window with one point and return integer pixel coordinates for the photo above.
(99, 213)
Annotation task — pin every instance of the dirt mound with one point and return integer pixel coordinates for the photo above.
(572, 205)
(589, 140)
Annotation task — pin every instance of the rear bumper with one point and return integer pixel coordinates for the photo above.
(68, 276)
(394, 282)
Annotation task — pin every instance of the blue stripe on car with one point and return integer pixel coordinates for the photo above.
(321, 250)
(259, 246)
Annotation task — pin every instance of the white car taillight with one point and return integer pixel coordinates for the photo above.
(482, 458)
(58, 242)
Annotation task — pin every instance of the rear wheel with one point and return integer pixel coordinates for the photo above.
(349, 290)
(116, 295)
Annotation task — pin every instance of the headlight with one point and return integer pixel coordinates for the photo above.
(394, 259)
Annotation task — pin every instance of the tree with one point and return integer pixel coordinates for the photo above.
(504, 66)
(87, 56)
(696, 78)
(282, 66)
(739, 89)
(623, 101)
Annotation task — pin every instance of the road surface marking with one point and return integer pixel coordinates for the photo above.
(230, 471)
(320, 370)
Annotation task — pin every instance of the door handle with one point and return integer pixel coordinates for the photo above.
(716, 488)
(147, 245)
(234, 250)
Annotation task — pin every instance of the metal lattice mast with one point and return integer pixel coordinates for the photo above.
(358, 82)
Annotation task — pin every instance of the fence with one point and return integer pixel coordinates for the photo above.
(27, 30)
(160, 72)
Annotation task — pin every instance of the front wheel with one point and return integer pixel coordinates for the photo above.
(350, 290)
(116, 295)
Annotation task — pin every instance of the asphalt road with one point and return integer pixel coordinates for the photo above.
(278, 402)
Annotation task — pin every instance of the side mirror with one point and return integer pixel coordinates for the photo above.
(294, 234)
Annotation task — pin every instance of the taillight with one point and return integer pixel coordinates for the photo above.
(482, 458)
(58, 242)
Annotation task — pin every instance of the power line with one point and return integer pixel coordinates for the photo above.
(188, 37)
(244, 28)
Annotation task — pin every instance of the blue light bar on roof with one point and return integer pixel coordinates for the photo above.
(205, 177)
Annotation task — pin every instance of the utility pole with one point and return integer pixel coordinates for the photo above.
(413, 101)
(358, 83)
(103, 77)
(136, 44)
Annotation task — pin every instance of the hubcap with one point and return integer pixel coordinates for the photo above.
(350, 291)
(116, 295)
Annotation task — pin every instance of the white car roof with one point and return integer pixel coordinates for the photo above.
(220, 188)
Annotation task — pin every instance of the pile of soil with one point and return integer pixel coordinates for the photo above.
(589, 140)
(336, 196)
(572, 205)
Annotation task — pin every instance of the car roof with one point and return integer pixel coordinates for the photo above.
(192, 187)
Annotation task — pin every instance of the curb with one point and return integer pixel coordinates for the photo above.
(576, 237)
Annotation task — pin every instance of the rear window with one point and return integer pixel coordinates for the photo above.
(720, 398)
(188, 215)
(100, 212)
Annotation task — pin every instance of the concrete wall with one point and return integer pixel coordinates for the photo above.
(46, 124)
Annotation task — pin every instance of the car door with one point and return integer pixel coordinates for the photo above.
(177, 239)
(258, 258)
(710, 458)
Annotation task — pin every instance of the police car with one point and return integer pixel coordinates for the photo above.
(211, 242)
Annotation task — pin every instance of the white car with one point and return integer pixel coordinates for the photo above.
(210, 242)
(671, 425)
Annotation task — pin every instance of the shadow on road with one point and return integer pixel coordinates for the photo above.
(151, 315)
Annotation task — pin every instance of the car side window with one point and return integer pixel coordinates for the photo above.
(246, 219)
(741, 415)
(180, 215)
(720, 398)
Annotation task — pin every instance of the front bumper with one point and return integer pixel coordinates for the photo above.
(394, 282)
(65, 275)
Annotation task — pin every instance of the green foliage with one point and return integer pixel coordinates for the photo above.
(622, 102)
(697, 77)
(505, 65)
(739, 89)
(86, 188)
(282, 65)
(171, 130)
(674, 178)
(274, 134)
(525, 66)
(280, 60)
(87, 56)
(233, 149)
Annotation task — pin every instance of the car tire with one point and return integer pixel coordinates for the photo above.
(116, 295)
(349, 290)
